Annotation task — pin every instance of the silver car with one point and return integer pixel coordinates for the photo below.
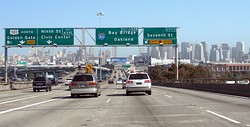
(85, 84)
(138, 82)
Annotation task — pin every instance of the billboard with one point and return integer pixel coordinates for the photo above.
(119, 60)
(142, 60)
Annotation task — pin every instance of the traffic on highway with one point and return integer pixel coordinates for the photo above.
(133, 101)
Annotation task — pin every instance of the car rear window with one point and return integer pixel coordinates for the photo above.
(39, 79)
(83, 78)
(138, 76)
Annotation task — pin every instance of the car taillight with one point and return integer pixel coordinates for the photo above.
(73, 84)
(92, 83)
(129, 82)
(147, 81)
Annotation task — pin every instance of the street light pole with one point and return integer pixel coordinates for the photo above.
(100, 14)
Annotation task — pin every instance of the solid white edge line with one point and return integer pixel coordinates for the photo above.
(224, 117)
(108, 100)
(20, 99)
(168, 96)
(26, 106)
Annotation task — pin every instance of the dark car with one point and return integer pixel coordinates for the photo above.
(41, 83)
(110, 81)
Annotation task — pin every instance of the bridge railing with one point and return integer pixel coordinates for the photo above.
(15, 85)
(234, 87)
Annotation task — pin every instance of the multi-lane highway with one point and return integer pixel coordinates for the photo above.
(166, 107)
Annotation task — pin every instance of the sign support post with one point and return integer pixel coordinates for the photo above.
(5, 64)
(176, 62)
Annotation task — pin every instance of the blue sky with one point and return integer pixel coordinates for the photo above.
(214, 21)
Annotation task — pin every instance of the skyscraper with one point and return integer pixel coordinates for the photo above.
(199, 54)
(226, 52)
(155, 52)
(185, 50)
(216, 53)
(239, 51)
(205, 50)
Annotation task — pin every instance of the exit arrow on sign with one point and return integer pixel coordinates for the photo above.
(160, 41)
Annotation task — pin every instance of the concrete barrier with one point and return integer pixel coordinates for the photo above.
(232, 89)
(15, 85)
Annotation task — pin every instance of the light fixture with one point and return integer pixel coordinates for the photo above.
(127, 44)
(19, 45)
(161, 44)
(55, 45)
(106, 44)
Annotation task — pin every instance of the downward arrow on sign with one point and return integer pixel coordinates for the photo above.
(49, 41)
(22, 42)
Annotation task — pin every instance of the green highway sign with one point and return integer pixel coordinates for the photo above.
(163, 34)
(126, 66)
(39, 36)
(117, 36)
(59, 36)
(23, 36)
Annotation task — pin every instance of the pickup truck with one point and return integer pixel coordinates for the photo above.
(41, 83)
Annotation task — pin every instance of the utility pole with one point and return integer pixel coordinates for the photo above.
(5, 64)
(100, 14)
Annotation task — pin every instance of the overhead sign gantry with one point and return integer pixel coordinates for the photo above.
(117, 36)
(39, 36)
(164, 35)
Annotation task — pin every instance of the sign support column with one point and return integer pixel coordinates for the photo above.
(5, 64)
(83, 46)
(176, 62)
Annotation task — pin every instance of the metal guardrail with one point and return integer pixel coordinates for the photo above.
(232, 89)
(14, 85)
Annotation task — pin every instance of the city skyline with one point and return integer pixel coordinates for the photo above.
(188, 51)
(225, 21)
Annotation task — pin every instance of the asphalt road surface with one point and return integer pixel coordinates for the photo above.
(166, 107)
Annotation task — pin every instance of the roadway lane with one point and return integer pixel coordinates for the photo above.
(166, 107)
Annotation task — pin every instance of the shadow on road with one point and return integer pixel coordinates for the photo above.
(76, 97)
(133, 94)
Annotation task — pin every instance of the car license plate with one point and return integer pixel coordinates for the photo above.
(39, 83)
(82, 86)
(138, 83)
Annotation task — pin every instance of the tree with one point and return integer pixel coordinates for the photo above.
(186, 71)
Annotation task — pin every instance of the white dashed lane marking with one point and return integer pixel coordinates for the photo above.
(108, 100)
(224, 117)
(168, 96)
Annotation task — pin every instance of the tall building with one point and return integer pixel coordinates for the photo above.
(185, 50)
(192, 52)
(216, 53)
(199, 53)
(155, 52)
(226, 52)
(239, 51)
(205, 50)
(170, 52)
(233, 54)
